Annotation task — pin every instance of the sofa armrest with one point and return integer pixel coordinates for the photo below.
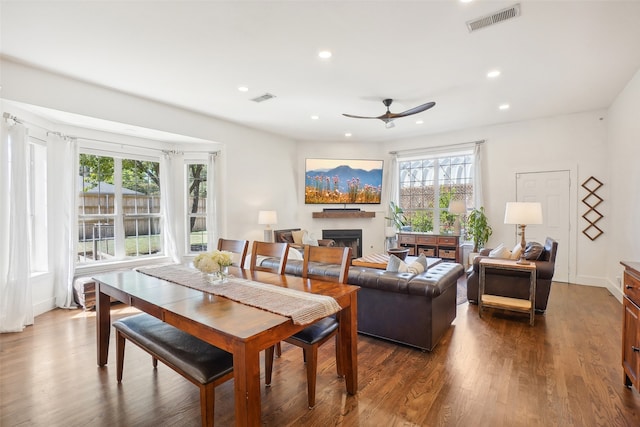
(544, 269)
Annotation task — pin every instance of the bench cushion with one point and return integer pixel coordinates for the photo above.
(198, 359)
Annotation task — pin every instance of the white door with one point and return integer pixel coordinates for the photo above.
(551, 189)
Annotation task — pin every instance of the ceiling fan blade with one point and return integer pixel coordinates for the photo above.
(414, 110)
(358, 117)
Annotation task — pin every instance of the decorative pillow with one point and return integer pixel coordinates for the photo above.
(396, 265)
(309, 239)
(500, 252)
(286, 237)
(297, 236)
(517, 250)
(419, 265)
(294, 254)
(532, 251)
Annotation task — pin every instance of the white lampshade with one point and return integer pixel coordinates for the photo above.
(457, 207)
(267, 217)
(523, 213)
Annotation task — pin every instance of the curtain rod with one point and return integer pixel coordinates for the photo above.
(8, 116)
(436, 147)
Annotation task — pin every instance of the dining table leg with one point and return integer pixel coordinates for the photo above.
(246, 375)
(348, 318)
(103, 325)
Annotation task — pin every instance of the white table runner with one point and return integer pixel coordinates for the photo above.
(302, 307)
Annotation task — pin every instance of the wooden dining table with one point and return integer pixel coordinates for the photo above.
(235, 327)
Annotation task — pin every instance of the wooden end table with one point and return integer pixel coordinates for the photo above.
(507, 303)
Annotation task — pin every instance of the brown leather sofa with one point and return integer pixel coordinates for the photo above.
(515, 284)
(410, 309)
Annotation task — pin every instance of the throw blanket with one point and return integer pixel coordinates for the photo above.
(302, 307)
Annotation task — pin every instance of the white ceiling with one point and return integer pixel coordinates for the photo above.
(558, 57)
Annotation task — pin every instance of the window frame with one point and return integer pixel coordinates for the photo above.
(437, 182)
(119, 217)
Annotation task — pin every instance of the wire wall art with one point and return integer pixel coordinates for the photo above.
(592, 216)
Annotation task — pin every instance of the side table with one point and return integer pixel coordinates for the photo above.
(507, 303)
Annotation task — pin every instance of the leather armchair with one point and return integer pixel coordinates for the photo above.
(515, 284)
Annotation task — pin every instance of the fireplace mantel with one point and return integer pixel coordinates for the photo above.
(343, 214)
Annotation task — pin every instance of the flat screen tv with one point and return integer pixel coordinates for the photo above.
(342, 181)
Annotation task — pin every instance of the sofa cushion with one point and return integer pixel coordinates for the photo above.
(500, 251)
(396, 265)
(309, 239)
(516, 252)
(532, 251)
(297, 236)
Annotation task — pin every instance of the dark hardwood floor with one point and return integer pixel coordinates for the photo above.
(495, 371)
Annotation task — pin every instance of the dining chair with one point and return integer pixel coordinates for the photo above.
(236, 247)
(312, 337)
(269, 249)
(277, 250)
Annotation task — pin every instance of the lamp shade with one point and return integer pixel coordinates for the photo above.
(267, 217)
(457, 207)
(524, 213)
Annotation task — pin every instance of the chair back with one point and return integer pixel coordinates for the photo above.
(235, 246)
(328, 255)
(269, 249)
(550, 250)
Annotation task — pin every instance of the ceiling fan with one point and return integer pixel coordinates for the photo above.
(388, 117)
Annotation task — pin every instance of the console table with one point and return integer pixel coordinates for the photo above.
(445, 246)
(508, 303)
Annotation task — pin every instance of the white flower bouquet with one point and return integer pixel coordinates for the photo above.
(212, 262)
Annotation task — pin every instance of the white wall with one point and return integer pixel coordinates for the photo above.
(624, 147)
(257, 168)
(372, 228)
(574, 142)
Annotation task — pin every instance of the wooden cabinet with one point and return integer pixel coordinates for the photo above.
(631, 324)
(446, 247)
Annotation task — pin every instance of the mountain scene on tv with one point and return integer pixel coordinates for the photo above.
(346, 181)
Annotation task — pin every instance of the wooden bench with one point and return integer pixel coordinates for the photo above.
(201, 363)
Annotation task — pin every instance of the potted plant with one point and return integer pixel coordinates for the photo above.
(478, 229)
(396, 216)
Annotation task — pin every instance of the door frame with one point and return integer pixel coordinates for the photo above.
(572, 168)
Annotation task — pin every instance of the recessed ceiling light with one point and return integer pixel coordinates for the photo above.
(348, 134)
(419, 122)
(493, 74)
(504, 107)
(243, 88)
(466, 1)
(314, 117)
(324, 54)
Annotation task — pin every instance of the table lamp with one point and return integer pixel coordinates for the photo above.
(268, 218)
(457, 208)
(523, 214)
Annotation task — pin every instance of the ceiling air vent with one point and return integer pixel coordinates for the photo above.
(265, 97)
(494, 18)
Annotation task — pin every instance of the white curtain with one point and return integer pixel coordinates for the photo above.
(478, 198)
(171, 165)
(63, 176)
(16, 305)
(213, 218)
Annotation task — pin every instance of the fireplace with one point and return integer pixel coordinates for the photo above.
(346, 238)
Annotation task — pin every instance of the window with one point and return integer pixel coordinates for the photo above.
(119, 208)
(37, 205)
(427, 186)
(196, 207)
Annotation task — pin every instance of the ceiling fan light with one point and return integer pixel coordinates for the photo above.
(389, 124)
